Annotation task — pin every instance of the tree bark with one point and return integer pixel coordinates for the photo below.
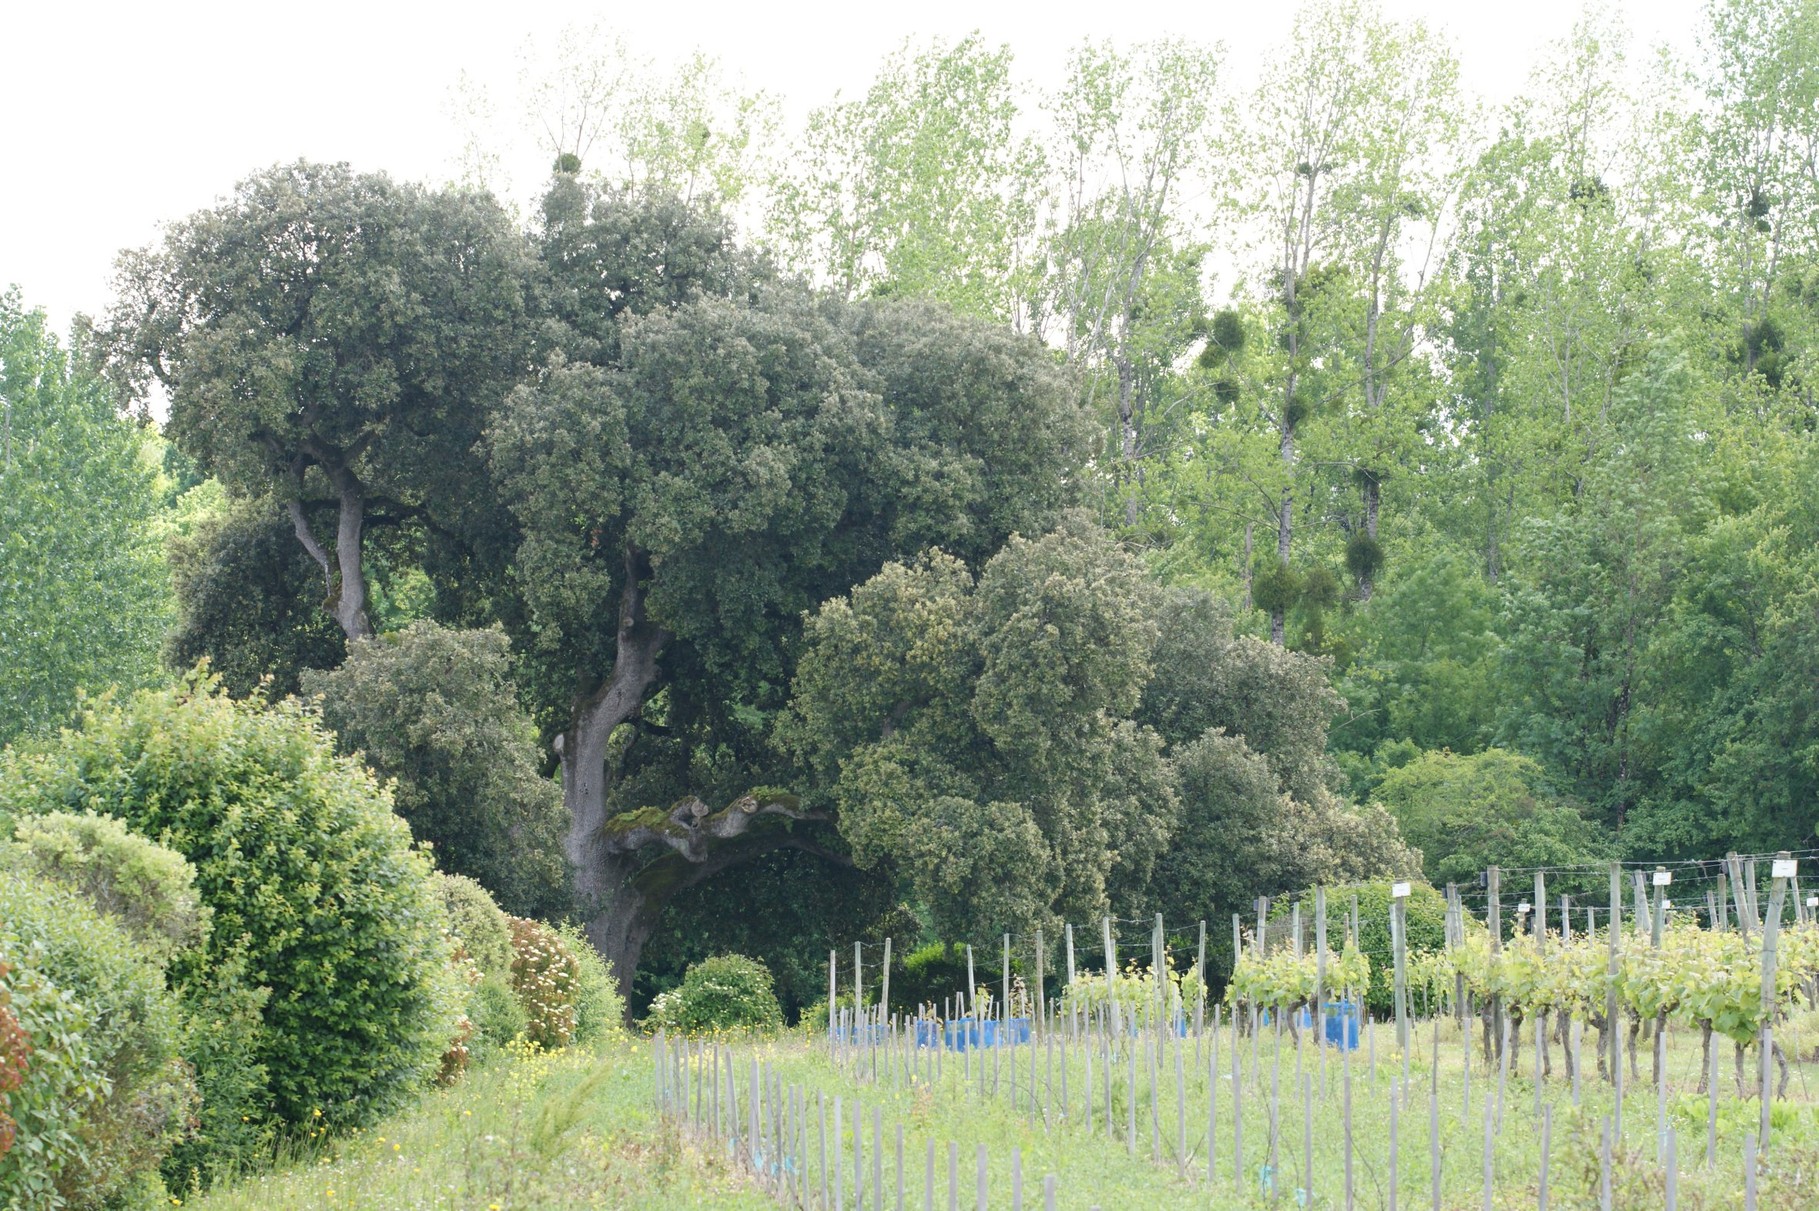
(344, 576)
(1285, 525)
(597, 878)
(639, 893)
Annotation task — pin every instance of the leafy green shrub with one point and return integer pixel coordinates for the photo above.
(496, 1012)
(148, 889)
(477, 924)
(1426, 930)
(482, 938)
(544, 976)
(598, 1006)
(434, 708)
(929, 974)
(814, 1016)
(302, 861)
(223, 1033)
(61, 1080)
(727, 992)
(107, 1094)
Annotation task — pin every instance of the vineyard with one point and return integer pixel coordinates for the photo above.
(1520, 1063)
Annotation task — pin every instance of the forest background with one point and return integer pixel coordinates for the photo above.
(1370, 448)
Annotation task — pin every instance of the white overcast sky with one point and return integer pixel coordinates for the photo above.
(119, 118)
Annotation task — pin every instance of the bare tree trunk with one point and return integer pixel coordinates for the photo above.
(600, 877)
(1285, 531)
(344, 577)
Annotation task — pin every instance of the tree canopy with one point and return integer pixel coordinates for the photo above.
(83, 597)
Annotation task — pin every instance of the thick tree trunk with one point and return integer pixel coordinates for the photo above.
(624, 921)
(344, 576)
(1285, 530)
(598, 880)
(639, 888)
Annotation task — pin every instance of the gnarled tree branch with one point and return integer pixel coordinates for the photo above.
(690, 827)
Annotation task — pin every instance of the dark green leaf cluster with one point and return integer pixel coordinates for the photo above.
(434, 710)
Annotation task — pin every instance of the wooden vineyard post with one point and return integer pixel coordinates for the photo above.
(1455, 927)
(1070, 954)
(1724, 909)
(1319, 977)
(884, 990)
(1398, 916)
(1784, 869)
(1610, 999)
(832, 990)
(1200, 982)
(1041, 1016)
(1657, 924)
(1541, 949)
(1158, 973)
(1658, 910)
(1494, 913)
(1399, 938)
(1111, 952)
(1320, 981)
(972, 990)
(1004, 1010)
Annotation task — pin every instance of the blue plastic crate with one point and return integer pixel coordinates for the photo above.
(963, 1033)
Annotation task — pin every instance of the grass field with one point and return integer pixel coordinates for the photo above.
(582, 1129)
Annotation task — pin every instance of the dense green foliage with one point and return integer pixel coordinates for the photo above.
(309, 875)
(433, 709)
(1426, 909)
(983, 561)
(148, 890)
(83, 602)
(1493, 808)
(106, 1094)
(726, 992)
(598, 1006)
(249, 601)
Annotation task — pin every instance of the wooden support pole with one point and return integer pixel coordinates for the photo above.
(884, 990)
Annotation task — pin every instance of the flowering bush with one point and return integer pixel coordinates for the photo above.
(545, 978)
(727, 992)
(15, 1060)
